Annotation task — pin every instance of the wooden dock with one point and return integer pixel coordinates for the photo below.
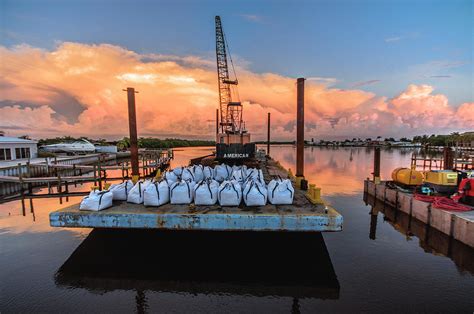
(459, 225)
(302, 215)
(20, 180)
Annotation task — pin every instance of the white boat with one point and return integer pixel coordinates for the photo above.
(81, 146)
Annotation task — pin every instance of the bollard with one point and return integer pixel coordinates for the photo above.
(135, 178)
(298, 181)
(314, 194)
(158, 174)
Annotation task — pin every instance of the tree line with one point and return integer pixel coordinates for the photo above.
(124, 143)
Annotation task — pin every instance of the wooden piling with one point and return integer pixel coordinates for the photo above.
(217, 125)
(132, 122)
(60, 190)
(376, 173)
(300, 128)
(268, 134)
(66, 187)
(74, 173)
(99, 170)
(22, 189)
(448, 158)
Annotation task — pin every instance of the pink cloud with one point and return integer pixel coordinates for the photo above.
(178, 96)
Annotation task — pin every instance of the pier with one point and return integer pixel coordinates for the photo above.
(302, 215)
(459, 225)
(20, 180)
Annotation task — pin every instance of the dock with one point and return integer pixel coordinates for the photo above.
(20, 180)
(455, 224)
(302, 215)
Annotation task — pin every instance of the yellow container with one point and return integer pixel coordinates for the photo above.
(442, 177)
(407, 176)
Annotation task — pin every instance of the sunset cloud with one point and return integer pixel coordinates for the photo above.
(76, 89)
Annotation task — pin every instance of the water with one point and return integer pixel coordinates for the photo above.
(374, 265)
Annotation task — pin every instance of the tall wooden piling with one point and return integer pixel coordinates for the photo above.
(448, 158)
(268, 134)
(132, 123)
(376, 173)
(300, 128)
(217, 125)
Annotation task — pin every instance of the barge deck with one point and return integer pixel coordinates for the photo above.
(302, 215)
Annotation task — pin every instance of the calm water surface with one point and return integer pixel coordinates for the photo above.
(379, 263)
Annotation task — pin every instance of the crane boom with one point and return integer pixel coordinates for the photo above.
(230, 111)
(232, 140)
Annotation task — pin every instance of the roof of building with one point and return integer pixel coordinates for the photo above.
(15, 140)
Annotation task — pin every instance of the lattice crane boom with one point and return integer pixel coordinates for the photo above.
(230, 109)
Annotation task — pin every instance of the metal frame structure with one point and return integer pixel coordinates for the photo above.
(230, 111)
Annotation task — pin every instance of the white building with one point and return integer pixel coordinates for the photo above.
(12, 148)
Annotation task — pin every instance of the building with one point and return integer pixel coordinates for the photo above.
(13, 148)
(465, 140)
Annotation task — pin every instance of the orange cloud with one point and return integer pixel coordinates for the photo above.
(76, 89)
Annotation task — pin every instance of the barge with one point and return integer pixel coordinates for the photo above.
(301, 216)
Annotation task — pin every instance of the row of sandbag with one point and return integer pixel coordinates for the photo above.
(205, 192)
(220, 173)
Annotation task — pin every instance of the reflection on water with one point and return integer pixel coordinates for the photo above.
(431, 240)
(341, 170)
(383, 262)
(232, 263)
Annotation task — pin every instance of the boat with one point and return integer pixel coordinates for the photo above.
(80, 146)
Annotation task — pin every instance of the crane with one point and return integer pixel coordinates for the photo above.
(231, 111)
(233, 140)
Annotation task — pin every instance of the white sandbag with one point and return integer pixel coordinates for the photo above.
(238, 175)
(170, 176)
(280, 191)
(222, 172)
(230, 193)
(205, 192)
(255, 174)
(178, 171)
(243, 168)
(187, 174)
(198, 172)
(255, 193)
(207, 172)
(120, 190)
(97, 200)
(157, 193)
(181, 192)
(136, 193)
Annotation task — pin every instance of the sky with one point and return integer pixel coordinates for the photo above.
(388, 68)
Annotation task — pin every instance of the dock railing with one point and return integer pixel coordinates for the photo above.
(457, 161)
(19, 180)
